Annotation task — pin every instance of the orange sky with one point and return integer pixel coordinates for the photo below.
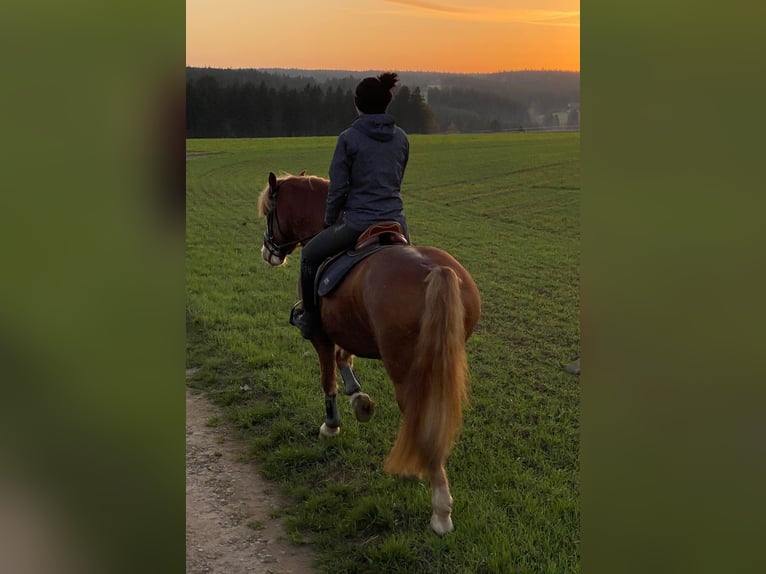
(414, 35)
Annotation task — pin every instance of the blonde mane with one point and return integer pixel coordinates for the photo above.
(264, 199)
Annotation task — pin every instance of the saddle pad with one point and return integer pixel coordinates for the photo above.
(332, 271)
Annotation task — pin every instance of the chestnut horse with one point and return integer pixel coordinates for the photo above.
(413, 308)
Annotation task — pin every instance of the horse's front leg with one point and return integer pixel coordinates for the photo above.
(325, 349)
(363, 405)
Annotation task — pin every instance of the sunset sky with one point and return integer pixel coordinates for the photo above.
(403, 35)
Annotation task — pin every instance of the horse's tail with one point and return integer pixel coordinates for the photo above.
(433, 394)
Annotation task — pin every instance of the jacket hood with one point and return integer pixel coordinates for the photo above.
(379, 127)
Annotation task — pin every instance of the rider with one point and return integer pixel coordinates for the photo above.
(365, 179)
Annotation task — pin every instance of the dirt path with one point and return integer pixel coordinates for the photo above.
(228, 525)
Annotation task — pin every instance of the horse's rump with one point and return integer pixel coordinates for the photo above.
(379, 305)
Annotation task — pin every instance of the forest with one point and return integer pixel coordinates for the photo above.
(223, 103)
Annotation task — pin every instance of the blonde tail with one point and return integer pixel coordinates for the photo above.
(434, 393)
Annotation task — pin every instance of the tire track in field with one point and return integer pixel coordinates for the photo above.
(494, 176)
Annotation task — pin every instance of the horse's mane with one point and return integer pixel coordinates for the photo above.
(264, 199)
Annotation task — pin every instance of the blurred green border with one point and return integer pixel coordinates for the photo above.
(92, 290)
(673, 426)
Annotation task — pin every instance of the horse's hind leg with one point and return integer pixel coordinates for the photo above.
(410, 459)
(326, 351)
(441, 501)
(363, 405)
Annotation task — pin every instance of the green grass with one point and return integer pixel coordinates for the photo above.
(507, 206)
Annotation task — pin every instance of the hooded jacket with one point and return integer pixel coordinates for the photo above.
(366, 173)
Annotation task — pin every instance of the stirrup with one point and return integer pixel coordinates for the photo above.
(309, 323)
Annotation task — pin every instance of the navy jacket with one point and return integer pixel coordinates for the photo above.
(366, 173)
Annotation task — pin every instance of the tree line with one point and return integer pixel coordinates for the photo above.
(470, 110)
(244, 109)
(282, 102)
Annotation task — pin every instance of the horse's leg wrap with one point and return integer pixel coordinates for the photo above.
(332, 415)
(350, 382)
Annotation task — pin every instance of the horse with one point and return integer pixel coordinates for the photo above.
(413, 307)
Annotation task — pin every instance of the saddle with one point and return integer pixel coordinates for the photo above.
(376, 237)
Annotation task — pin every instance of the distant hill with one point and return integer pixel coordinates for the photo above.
(460, 102)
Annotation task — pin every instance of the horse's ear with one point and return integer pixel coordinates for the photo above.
(272, 180)
(303, 172)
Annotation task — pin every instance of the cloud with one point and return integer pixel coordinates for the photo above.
(430, 6)
(546, 17)
(533, 16)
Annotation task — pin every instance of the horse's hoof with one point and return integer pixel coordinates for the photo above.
(441, 526)
(324, 430)
(363, 405)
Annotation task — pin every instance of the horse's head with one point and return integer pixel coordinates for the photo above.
(294, 208)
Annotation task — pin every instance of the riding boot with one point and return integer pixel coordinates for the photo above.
(307, 319)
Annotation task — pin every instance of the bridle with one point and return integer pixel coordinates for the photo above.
(273, 248)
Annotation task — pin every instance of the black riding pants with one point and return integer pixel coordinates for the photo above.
(330, 241)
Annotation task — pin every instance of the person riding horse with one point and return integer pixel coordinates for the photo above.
(366, 175)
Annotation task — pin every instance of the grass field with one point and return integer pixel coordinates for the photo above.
(507, 207)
